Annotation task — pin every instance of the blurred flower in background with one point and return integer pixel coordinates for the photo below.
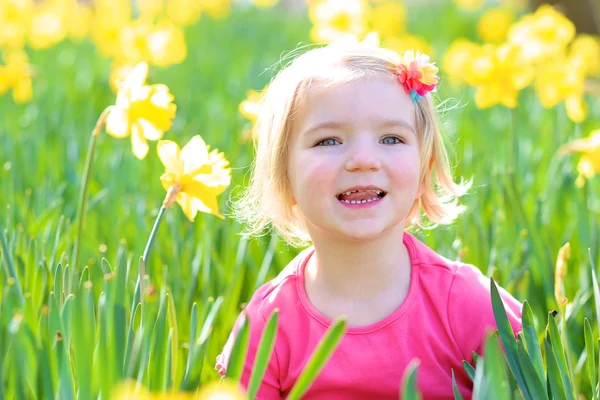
(494, 24)
(470, 5)
(498, 73)
(16, 75)
(333, 19)
(14, 21)
(589, 162)
(542, 34)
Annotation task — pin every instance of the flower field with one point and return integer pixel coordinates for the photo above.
(125, 132)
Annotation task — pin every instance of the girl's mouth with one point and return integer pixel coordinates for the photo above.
(360, 197)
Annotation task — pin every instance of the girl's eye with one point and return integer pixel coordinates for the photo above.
(391, 140)
(328, 142)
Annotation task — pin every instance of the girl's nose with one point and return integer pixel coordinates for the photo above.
(362, 157)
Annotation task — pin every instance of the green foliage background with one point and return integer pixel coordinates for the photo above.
(522, 208)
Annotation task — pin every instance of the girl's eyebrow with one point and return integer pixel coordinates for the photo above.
(379, 123)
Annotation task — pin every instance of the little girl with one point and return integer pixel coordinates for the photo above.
(348, 154)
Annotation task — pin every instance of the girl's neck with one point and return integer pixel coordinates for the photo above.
(360, 270)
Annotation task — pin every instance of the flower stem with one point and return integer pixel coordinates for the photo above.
(81, 205)
(169, 199)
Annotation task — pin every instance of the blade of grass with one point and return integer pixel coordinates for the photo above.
(320, 356)
(263, 354)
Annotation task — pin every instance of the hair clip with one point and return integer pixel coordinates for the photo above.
(417, 74)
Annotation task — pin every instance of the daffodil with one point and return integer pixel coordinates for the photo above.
(166, 45)
(469, 5)
(16, 75)
(333, 19)
(48, 24)
(216, 9)
(402, 43)
(585, 50)
(194, 177)
(184, 12)
(15, 17)
(494, 24)
(389, 18)
(562, 79)
(542, 34)
(498, 74)
(458, 59)
(221, 390)
(110, 16)
(265, 3)
(142, 111)
(589, 163)
(250, 106)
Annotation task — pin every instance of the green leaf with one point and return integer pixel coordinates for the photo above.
(495, 370)
(409, 381)
(559, 353)
(554, 376)
(263, 354)
(469, 369)
(591, 354)
(531, 340)
(320, 356)
(534, 383)
(455, 390)
(508, 340)
(235, 366)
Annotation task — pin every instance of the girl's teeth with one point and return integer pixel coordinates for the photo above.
(360, 201)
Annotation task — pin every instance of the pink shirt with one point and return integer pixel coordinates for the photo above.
(441, 322)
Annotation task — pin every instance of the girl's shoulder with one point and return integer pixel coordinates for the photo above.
(280, 291)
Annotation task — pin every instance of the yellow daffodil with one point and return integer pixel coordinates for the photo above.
(498, 73)
(333, 19)
(48, 24)
(143, 111)
(249, 107)
(494, 24)
(110, 16)
(265, 3)
(221, 390)
(132, 390)
(562, 79)
(405, 42)
(133, 41)
(585, 50)
(589, 163)
(458, 59)
(542, 34)
(469, 5)
(216, 9)
(79, 18)
(15, 17)
(184, 12)
(388, 19)
(193, 177)
(150, 9)
(166, 45)
(16, 75)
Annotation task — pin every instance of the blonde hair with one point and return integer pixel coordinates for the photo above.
(268, 200)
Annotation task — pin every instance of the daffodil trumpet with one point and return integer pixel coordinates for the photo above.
(82, 203)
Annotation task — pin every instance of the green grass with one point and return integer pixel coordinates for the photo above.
(522, 208)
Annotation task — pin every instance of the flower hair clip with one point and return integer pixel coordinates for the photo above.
(416, 74)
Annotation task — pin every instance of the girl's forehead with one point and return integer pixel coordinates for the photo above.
(363, 101)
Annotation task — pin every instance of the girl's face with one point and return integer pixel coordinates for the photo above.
(354, 159)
